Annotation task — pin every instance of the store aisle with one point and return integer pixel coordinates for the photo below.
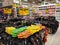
(54, 39)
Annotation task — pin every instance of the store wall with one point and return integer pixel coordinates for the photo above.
(7, 2)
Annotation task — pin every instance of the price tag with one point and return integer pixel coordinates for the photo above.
(14, 5)
(23, 11)
(47, 11)
(57, 4)
(7, 11)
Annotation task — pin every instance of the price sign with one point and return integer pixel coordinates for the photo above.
(14, 5)
(57, 4)
(7, 11)
(24, 11)
(47, 11)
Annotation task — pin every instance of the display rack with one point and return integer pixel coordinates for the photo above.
(22, 34)
(30, 27)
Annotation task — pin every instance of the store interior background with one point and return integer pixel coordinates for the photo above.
(52, 39)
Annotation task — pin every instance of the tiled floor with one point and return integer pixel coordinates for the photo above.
(54, 39)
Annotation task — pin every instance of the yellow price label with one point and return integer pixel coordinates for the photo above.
(23, 11)
(14, 5)
(7, 11)
(57, 4)
(47, 11)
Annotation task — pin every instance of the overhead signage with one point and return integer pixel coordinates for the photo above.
(7, 11)
(23, 11)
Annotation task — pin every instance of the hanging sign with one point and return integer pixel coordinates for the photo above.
(14, 5)
(58, 5)
(47, 11)
(23, 11)
(7, 11)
